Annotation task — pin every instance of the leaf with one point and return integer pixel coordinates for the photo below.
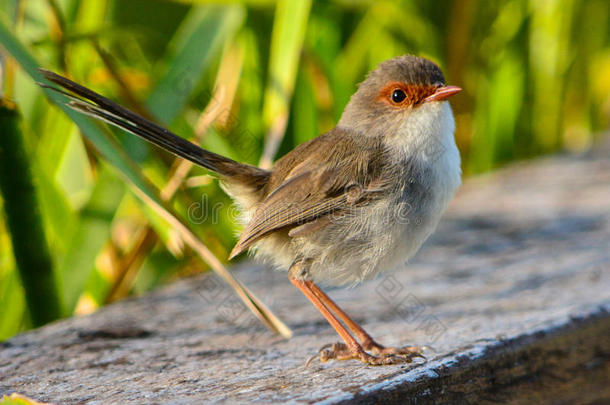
(18, 399)
(305, 118)
(74, 173)
(92, 232)
(24, 220)
(198, 39)
(11, 296)
(289, 27)
(60, 219)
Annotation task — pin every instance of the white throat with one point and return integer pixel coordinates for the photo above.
(426, 139)
(427, 135)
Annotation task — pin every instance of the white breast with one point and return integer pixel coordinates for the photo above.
(426, 140)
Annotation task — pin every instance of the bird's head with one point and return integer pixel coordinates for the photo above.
(403, 97)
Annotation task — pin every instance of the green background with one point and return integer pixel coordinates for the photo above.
(267, 75)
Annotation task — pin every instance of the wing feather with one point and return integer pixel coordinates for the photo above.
(308, 192)
(293, 204)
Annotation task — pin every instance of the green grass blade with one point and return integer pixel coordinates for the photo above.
(24, 221)
(196, 42)
(11, 297)
(92, 233)
(289, 28)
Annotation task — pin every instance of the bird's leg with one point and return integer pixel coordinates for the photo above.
(366, 341)
(351, 349)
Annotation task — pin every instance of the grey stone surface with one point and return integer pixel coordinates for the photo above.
(512, 294)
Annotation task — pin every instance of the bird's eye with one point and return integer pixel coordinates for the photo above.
(398, 96)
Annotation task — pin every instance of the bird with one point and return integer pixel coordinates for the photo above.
(344, 206)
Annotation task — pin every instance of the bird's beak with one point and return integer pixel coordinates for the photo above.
(443, 93)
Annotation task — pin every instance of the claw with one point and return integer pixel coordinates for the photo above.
(309, 360)
(382, 355)
(408, 352)
(320, 354)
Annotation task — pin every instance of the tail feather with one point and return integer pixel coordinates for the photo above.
(98, 106)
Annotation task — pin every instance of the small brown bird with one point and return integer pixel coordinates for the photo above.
(338, 209)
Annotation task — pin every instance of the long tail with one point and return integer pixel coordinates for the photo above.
(98, 106)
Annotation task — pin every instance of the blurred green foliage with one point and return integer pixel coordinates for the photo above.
(270, 75)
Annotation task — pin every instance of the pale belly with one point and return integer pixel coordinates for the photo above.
(379, 236)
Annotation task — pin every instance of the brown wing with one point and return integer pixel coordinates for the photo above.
(334, 175)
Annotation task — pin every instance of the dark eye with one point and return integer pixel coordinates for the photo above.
(398, 96)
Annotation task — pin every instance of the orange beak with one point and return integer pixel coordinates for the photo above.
(443, 93)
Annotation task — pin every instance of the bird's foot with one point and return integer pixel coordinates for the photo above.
(384, 356)
(409, 352)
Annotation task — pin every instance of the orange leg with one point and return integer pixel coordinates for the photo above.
(367, 342)
(351, 349)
